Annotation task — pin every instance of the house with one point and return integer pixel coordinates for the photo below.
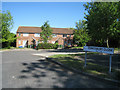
(27, 35)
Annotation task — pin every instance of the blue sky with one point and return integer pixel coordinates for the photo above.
(59, 14)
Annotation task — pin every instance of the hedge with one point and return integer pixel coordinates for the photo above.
(47, 46)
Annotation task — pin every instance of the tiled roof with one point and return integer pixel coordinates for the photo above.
(27, 29)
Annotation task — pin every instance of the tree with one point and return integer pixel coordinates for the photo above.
(5, 27)
(46, 33)
(13, 42)
(102, 20)
(80, 34)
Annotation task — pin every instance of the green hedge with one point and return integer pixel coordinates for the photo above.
(47, 46)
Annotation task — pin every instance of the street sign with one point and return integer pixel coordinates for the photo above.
(99, 49)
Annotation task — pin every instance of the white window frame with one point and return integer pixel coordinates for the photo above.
(25, 34)
(19, 42)
(54, 35)
(24, 42)
(37, 42)
(64, 35)
(53, 42)
(19, 34)
(37, 35)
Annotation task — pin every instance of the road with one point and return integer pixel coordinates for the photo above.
(23, 69)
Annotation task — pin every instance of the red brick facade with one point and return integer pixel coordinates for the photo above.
(26, 37)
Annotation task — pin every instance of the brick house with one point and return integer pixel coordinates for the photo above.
(26, 35)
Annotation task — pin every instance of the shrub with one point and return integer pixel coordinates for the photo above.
(28, 46)
(47, 46)
(60, 46)
(8, 47)
(56, 45)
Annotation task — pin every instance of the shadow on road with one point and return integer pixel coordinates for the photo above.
(67, 50)
(46, 74)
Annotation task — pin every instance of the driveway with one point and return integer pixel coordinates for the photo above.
(23, 69)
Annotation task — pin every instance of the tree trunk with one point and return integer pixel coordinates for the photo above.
(107, 43)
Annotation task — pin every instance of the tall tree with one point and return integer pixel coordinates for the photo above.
(80, 34)
(46, 33)
(5, 27)
(102, 20)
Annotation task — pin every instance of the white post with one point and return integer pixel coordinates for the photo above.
(85, 58)
(110, 63)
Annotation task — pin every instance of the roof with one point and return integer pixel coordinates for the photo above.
(27, 29)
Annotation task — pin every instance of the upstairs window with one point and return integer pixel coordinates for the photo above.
(64, 35)
(19, 34)
(54, 35)
(37, 35)
(53, 42)
(25, 34)
(19, 42)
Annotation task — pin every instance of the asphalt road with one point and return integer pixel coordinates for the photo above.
(22, 69)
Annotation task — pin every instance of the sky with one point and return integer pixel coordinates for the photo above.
(59, 14)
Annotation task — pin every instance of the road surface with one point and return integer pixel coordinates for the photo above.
(23, 69)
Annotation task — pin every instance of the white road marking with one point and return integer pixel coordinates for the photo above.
(13, 77)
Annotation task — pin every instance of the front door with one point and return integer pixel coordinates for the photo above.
(24, 43)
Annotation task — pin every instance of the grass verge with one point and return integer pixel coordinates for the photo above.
(91, 68)
(77, 47)
(2, 49)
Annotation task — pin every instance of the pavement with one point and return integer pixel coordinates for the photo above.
(23, 69)
(58, 51)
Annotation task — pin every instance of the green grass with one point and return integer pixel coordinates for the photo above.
(117, 49)
(72, 55)
(6, 48)
(91, 68)
(11, 48)
(77, 47)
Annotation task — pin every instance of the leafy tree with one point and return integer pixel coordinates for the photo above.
(5, 27)
(13, 42)
(102, 20)
(46, 33)
(80, 34)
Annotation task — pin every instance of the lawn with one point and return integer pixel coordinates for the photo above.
(95, 68)
(2, 49)
(117, 49)
(77, 47)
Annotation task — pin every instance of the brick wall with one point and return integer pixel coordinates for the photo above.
(59, 37)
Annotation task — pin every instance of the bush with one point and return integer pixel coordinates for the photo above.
(28, 46)
(8, 47)
(60, 46)
(47, 46)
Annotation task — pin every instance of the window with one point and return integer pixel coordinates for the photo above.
(37, 42)
(70, 35)
(53, 42)
(37, 35)
(24, 43)
(64, 35)
(19, 41)
(54, 35)
(19, 34)
(25, 34)
(69, 43)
